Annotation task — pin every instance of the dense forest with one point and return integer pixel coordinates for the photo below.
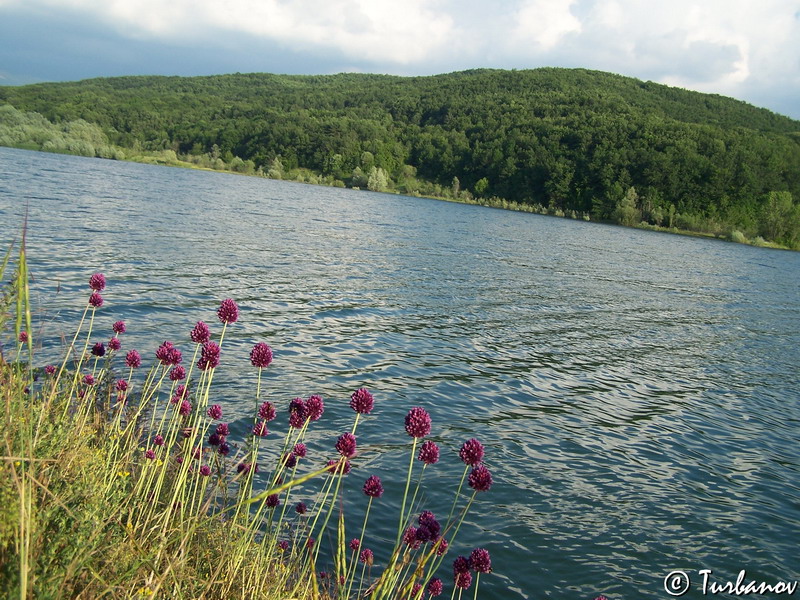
(571, 142)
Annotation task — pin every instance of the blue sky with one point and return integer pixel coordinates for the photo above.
(747, 49)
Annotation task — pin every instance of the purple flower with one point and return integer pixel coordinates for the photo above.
(471, 452)
(373, 487)
(205, 470)
(215, 439)
(98, 349)
(88, 379)
(133, 359)
(122, 385)
(435, 587)
(299, 450)
(96, 300)
(362, 401)
(300, 508)
(418, 422)
(461, 565)
(224, 448)
(209, 356)
(315, 407)
(463, 580)
(410, 537)
(346, 445)
(149, 454)
(200, 334)
(260, 429)
(223, 429)
(366, 557)
(266, 411)
(178, 373)
(415, 590)
(441, 546)
(283, 545)
(480, 479)
(168, 354)
(118, 327)
(243, 467)
(215, 412)
(334, 466)
(354, 544)
(228, 312)
(290, 460)
(23, 337)
(261, 355)
(50, 369)
(186, 408)
(480, 561)
(298, 413)
(429, 453)
(114, 344)
(180, 394)
(272, 500)
(97, 282)
(158, 440)
(429, 528)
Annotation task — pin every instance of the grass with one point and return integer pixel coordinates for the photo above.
(120, 481)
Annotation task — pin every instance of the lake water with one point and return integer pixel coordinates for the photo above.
(637, 392)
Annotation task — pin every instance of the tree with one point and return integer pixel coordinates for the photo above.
(481, 186)
(377, 181)
(776, 215)
(627, 212)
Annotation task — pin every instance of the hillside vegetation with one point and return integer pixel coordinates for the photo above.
(564, 141)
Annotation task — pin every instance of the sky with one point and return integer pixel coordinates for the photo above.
(745, 49)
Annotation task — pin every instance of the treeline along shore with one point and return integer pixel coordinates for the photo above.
(566, 142)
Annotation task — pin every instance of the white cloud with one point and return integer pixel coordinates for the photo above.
(544, 22)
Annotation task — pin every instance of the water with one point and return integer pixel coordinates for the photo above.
(637, 392)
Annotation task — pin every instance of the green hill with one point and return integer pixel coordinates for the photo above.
(566, 140)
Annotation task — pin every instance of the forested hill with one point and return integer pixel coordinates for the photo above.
(604, 145)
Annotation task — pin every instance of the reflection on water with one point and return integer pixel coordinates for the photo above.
(637, 392)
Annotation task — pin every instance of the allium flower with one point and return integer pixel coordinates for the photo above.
(50, 369)
(299, 450)
(341, 469)
(215, 439)
(260, 429)
(283, 545)
(435, 587)
(158, 440)
(88, 379)
(441, 546)
(118, 327)
(418, 422)
(373, 487)
(354, 544)
(315, 407)
(310, 542)
(471, 452)
(362, 401)
(223, 429)
(23, 337)
(205, 470)
(243, 467)
(415, 590)
(169, 354)
(200, 334)
(133, 359)
(289, 460)
(149, 454)
(114, 344)
(99, 349)
(298, 413)
(96, 300)
(461, 565)
(463, 580)
(186, 408)
(346, 445)
(224, 448)
(300, 508)
(480, 561)
(410, 537)
(228, 312)
(429, 528)
(122, 385)
(480, 479)
(266, 411)
(209, 356)
(261, 355)
(97, 282)
(215, 412)
(366, 557)
(178, 373)
(429, 453)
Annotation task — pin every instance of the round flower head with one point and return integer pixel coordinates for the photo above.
(96, 300)
(178, 373)
(99, 349)
(480, 561)
(88, 379)
(418, 422)
(480, 479)
(373, 487)
(441, 546)
(122, 385)
(209, 356)
(261, 355)
(362, 401)
(410, 537)
(283, 545)
(133, 359)
(186, 408)
(149, 454)
(23, 337)
(180, 394)
(215, 412)
(429, 453)
(158, 440)
(429, 528)
(471, 452)
(315, 407)
(354, 544)
(435, 587)
(118, 327)
(114, 344)
(224, 448)
(415, 590)
(228, 312)
(298, 413)
(463, 580)
(343, 468)
(97, 282)
(346, 445)
(223, 429)
(266, 411)
(50, 369)
(290, 460)
(205, 470)
(215, 439)
(366, 556)
(273, 500)
(301, 508)
(200, 334)
(260, 429)
(299, 450)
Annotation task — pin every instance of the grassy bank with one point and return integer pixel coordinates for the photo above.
(123, 480)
